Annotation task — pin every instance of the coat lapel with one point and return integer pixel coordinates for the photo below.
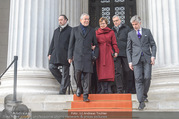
(143, 35)
(79, 28)
(87, 31)
(136, 37)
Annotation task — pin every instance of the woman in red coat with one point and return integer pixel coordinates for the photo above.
(105, 63)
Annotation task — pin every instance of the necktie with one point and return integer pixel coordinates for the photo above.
(84, 31)
(138, 34)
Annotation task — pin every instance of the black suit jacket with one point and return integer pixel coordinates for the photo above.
(80, 48)
(59, 46)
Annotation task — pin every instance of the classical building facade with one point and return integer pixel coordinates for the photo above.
(31, 24)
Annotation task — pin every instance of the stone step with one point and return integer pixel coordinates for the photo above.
(158, 106)
(48, 102)
(105, 97)
(63, 103)
(154, 104)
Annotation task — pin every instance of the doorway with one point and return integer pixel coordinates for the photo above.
(108, 8)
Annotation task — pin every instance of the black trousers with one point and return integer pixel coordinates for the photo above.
(95, 86)
(62, 77)
(124, 77)
(106, 87)
(85, 84)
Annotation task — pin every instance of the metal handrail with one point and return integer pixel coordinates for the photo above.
(15, 76)
(7, 68)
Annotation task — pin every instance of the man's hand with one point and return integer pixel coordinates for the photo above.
(70, 61)
(49, 57)
(152, 60)
(93, 47)
(130, 66)
(115, 55)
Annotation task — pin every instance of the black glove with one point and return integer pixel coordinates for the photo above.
(93, 56)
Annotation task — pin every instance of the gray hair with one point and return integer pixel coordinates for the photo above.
(116, 16)
(84, 14)
(135, 18)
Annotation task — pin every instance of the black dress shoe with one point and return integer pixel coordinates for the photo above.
(120, 92)
(78, 92)
(86, 100)
(146, 100)
(141, 106)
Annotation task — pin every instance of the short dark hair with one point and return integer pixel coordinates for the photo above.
(65, 17)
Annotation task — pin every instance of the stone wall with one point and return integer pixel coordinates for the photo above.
(4, 27)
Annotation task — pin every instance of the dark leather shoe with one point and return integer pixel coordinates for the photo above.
(78, 92)
(141, 106)
(86, 100)
(146, 100)
(120, 92)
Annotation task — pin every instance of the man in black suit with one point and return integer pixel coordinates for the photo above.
(124, 81)
(58, 52)
(141, 53)
(81, 39)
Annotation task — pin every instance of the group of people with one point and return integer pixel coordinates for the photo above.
(112, 51)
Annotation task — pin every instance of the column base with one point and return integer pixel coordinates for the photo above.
(30, 81)
(165, 84)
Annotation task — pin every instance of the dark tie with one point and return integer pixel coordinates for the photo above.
(84, 31)
(138, 34)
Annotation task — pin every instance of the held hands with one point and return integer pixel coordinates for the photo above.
(93, 47)
(152, 60)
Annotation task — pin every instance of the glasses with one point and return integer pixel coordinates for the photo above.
(115, 20)
(86, 19)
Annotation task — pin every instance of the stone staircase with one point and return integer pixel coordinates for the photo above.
(63, 103)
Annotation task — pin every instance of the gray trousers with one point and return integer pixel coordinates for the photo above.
(142, 73)
(85, 84)
(63, 78)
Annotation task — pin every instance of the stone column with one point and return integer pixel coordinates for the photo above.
(73, 9)
(31, 27)
(163, 16)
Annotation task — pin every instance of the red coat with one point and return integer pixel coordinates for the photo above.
(105, 63)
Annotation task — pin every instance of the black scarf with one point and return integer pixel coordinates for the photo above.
(83, 28)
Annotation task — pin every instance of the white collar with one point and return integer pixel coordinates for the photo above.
(140, 31)
(64, 25)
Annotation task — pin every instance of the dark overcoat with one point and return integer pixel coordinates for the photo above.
(59, 46)
(121, 38)
(80, 48)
